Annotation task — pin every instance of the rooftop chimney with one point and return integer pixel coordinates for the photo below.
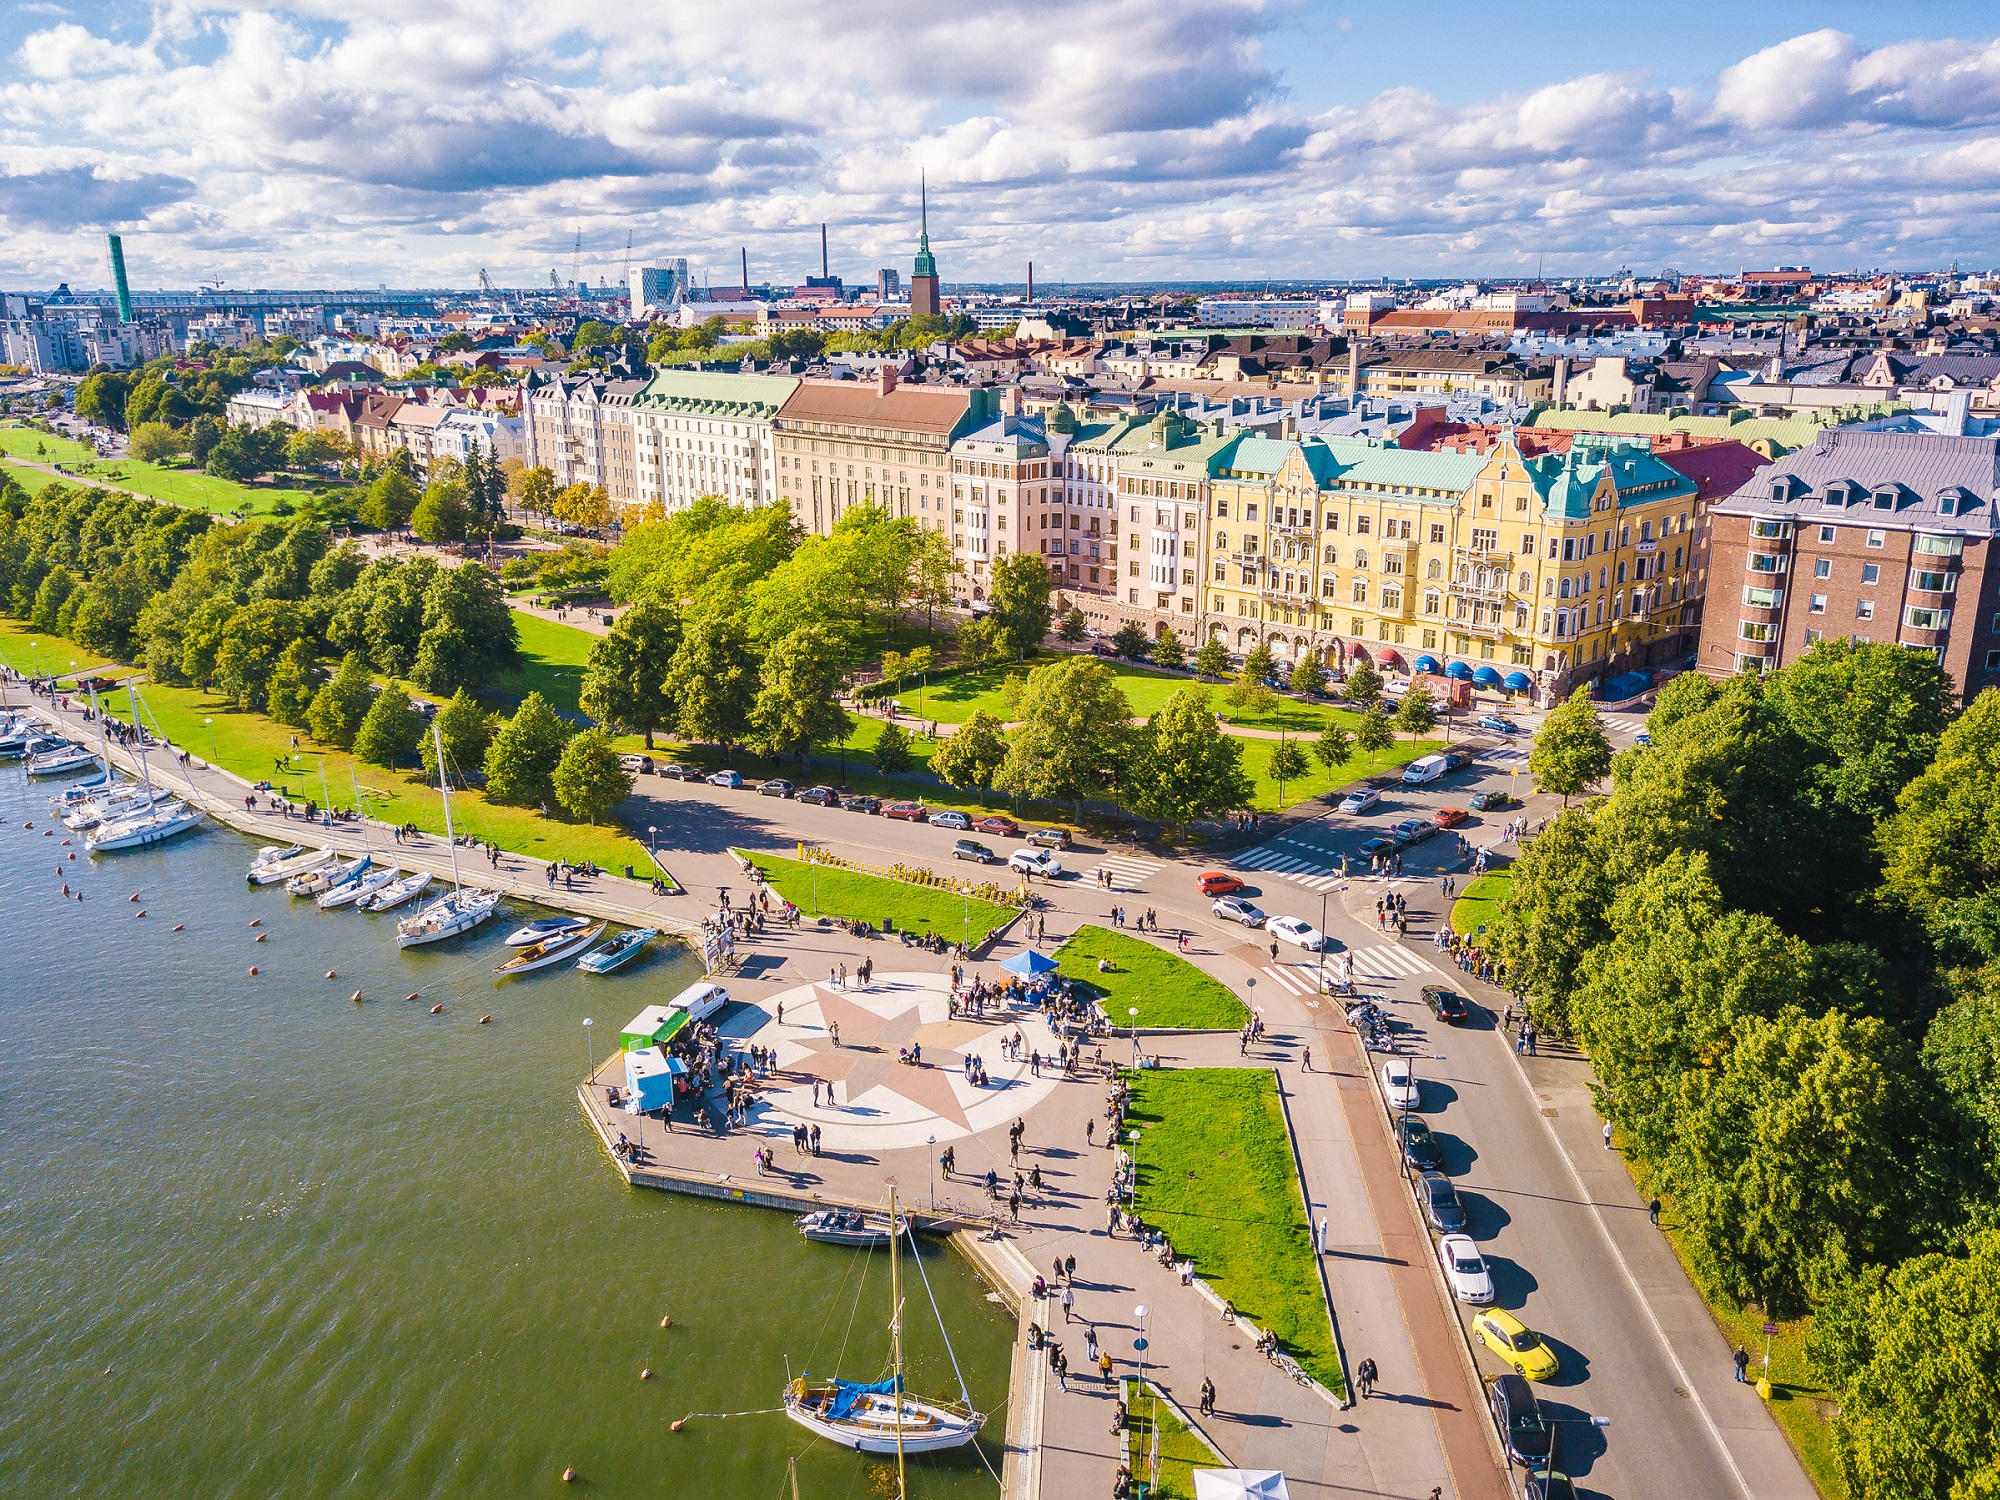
(885, 378)
(746, 269)
(822, 252)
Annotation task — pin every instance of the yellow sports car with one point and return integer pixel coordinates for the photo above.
(1509, 1338)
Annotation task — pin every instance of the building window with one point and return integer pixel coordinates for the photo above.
(1755, 630)
(1878, 538)
(1437, 533)
(1864, 609)
(1871, 572)
(1919, 618)
(1817, 606)
(1484, 540)
(1360, 591)
(1822, 567)
(1993, 661)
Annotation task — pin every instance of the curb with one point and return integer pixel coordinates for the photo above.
(1319, 1260)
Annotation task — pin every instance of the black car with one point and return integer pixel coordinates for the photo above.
(1380, 845)
(1544, 1485)
(1519, 1417)
(1448, 1007)
(1441, 1206)
(673, 770)
(777, 786)
(1420, 1147)
(820, 796)
(1457, 758)
(870, 805)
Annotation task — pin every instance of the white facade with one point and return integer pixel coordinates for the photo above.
(657, 288)
(1257, 312)
(460, 434)
(256, 407)
(699, 433)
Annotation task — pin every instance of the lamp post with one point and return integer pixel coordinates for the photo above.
(325, 797)
(589, 1055)
(1556, 1424)
(653, 844)
(1133, 1012)
(930, 1142)
(1322, 942)
(1139, 1343)
(212, 756)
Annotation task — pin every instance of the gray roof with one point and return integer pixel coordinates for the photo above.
(1931, 481)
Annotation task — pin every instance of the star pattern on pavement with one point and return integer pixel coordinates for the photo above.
(866, 1058)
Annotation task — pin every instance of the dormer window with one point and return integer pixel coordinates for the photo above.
(1885, 497)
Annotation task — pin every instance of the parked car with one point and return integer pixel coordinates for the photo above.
(1420, 1147)
(973, 850)
(1292, 930)
(1498, 724)
(1644, 737)
(950, 818)
(675, 770)
(1380, 844)
(908, 812)
(1035, 862)
(1361, 801)
(1491, 801)
(820, 796)
(726, 778)
(1465, 1269)
(1442, 1210)
(1457, 758)
(1447, 1006)
(1236, 909)
(1218, 883)
(1449, 817)
(868, 805)
(777, 786)
(636, 765)
(1007, 828)
(1547, 1484)
(1508, 1337)
(1050, 838)
(1399, 1084)
(1518, 1416)
(1413, 830)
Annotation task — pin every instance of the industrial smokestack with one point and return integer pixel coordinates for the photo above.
(746, 269)
(118, 277)
(823, 272)
(1031, 281)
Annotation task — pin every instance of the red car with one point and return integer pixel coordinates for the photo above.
(909, 812)
(1219, 883)
(1005, 827)
(1449, 817)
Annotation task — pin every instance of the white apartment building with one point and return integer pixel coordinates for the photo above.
(699, 433)
(1257, 312)
(579, 427)
(459, 434)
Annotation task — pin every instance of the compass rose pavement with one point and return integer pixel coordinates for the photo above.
(869, 1100)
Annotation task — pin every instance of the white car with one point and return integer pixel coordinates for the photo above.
(950, 818)
(1361, 801)
(1035, 862)
(1292, 930)
(1465, 1269)
(1400, 1084)
(1236, 909)
(726, 778)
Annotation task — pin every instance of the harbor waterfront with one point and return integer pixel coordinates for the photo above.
(263, 1240)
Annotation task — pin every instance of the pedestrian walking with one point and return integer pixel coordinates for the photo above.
(1742, 1365)
(1653, 1213)
(1104, 1366)
(1607, 1135)
(1090, 1343)
(1307, 1054)
(1364, 1378)
(1069, 1268)
(1068, 1302)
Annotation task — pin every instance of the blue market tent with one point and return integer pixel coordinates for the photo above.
(1517, 682)
(1426, 664)
(1028, 963)
(1487, 677)
(1624, 685)
(1458, 671)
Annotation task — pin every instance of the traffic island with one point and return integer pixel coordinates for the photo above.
(1124, 973)
(889, 902)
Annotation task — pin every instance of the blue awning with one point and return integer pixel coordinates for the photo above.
(1426, 664)
(1518, 682)
(1028, 963)
(1487, 677)
(1458, 671)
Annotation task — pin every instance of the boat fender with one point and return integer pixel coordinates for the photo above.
(438, 1009)
(569, 1476)
(331, 975)
(355, 997)
(411, 996)
(484, 1020)
(253, 969)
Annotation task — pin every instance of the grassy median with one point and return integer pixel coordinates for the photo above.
(1216, 1174)
(918, 909)
(1181, 1450)
(1477, 904)
(1166, 988)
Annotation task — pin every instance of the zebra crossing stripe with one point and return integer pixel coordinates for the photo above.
(1290, 981)
(1258, 858)
(1398, 961)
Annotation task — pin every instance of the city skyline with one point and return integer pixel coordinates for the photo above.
(305, 145)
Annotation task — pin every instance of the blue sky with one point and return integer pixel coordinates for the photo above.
(290, 142)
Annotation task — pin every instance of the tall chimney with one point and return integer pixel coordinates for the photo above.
(1353, 373)
(885, 378)
(746, 269)
(822, 252)
(1031, 281)
(1562, 379)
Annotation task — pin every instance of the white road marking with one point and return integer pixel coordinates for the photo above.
(1126, 873)
(1389, 961)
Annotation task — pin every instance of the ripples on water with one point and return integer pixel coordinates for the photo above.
(259, 1241)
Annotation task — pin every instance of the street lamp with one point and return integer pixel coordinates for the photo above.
(212, 755)
(1556, 1424)
(930, 1141)
(325, 797)
(1133, 1012)
(1139, 1344)
(653, 834)
(589, 1056)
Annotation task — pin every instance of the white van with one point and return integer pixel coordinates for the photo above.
(1428, 768)
(700, 1001)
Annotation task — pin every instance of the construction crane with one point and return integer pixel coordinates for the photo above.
(555, 280)
(485, 282)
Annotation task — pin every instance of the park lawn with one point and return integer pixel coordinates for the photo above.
(33, 652)
(553, 656)
(956, 699)
(1182, 1450)
(1216, 1174)
(880, 899)
(1318, 780)
(34, 481)
(1167, 990)
(1476, 907)
(22, 442)
(183, 486)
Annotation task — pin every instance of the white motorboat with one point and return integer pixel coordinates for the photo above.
(154, 826)
(352, 891)
(447, 917)
(620, 951)
(62, 760)
(114, 806)
(25, 740)
(270, 871)
(77, 793)
(393, 895)
(328, 877)
(544, 928)
(271, 853)
(554, 950)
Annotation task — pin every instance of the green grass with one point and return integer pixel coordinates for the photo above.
(34, 481)
(553, 658)
(35, 652)
(1481, 899)
(874, 898)
(1216, 1174)
(1182, 1451)
(21, 442)
(184, 486)
(1166, 988)
(1318, 781)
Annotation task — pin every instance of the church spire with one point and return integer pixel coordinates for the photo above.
(926, 264)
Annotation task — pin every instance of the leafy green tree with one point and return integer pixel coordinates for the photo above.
(442, 515)
(522, 759)
(1556, 910)
(1247, 694)
(1183, 767)
(1941, 850)
(798, 705)
(1571, 754)
(1876, 711)
(536, 489)
(588, 779)
(253, 640)
(1962, 1049)
(892, 754)
(390, 500)
(467, 732)
(342, 702)
(289, 693)
(1131, 641)
(1212, 660)
(1417, 713)
(107, 610)
(56, 587)
(972, 754)
(1309, 676)
(390, 730)
(101, 397)
(155, 443)
(713, 681)
(1364, 683)
(1684, 693)
(1020, 601)
(1073, 626)
(1288, 763)
(979, 642)
(1168, 650)
(1334, 748)
(625, 681)
(934, 575)
(1073, 732)
(469, 636)
(1376, 732)
(1259, 662)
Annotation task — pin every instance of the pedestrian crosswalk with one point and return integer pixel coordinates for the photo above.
(1507, 753)
(1125, 873)
(1391, 961)
(1299, 979)
(1623, 723)
(1302, 863)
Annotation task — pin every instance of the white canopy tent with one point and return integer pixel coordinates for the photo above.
(1240, 1484)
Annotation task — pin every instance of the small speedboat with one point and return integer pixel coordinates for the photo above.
(25, 741)
(846, 1226)
(619, 951)
(544, 928)
(154, 826)
(328, 877)
(549, 951)
(393, 895)
(113, 806)
(447, 917)
(352, 891)
(270, 871)
(74, 796)
(61, 759)
(270, 854)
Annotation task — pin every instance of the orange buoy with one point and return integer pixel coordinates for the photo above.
(262, 935)
(72, 854)
(484, 1019)
(65, 843)
(569, 1476)
(675, 1425)
(331, 975)
(438, 1009)
(411, 996)
(65, 890)
(257, 922)
(253, 970)
(178, 926)
(355, 997)
(27, 825)
(48, 833)
(140, 912)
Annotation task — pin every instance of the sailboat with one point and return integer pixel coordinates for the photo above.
(880, 1417)
(154, 824)
(462, 910)
(268, 869)
(393, 895)
(354, 890)
(329, 876)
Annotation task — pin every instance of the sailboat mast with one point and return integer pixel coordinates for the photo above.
(361, 806)
(450, 838)
(139, 733)
(896, 1338)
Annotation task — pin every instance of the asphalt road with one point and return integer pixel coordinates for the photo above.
(1551, 1262)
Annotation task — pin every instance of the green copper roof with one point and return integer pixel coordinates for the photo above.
(715, 393)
